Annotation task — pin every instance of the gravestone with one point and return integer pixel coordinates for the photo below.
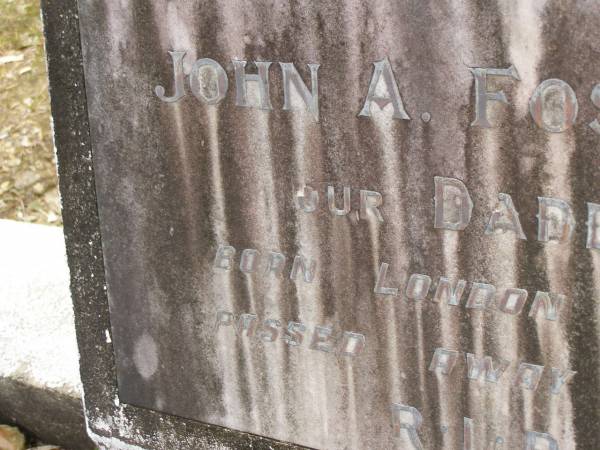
(338, 225)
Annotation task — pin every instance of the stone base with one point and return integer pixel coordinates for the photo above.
(49, 415)
(40, 389)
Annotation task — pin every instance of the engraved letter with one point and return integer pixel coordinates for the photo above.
(177, 58)
(418, 286)
(291, 76)
(208, 81)
(382, 97)
(595, 96)
(293, 334)
(467, 433)
(481, 296)
(379, 289)
(550, 302)
(444, 291)
(322, 340)
(308, 199)
(482, 95)
(276, 263)
(528, 376)
(559, 379)
(308, 268)
(224, 258)
(352, 344)
(477, 367)
(247, 323)
(249, 260)
(370, 201)
(512, 301)
(555, 220)
(224, 319)
(443, 360)
(505, 218)
(593, 223)
(331, 201)
(453, 204)
(243, 80)
(410, 426)
(534, 436)
(270, 332)
(553, 106)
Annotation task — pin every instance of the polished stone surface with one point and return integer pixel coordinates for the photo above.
(177, 181)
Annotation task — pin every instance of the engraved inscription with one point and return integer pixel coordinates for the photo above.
(208, 81)
(505, 218)
(274, 263)
(485, 368)
(593, 223)
(556, 221)
(291, 77)
(482, 296)
(257, 84)
(295, 334)
(445, 293)
(553, 106)
(489, 370)
(370, 203)
(406, 422)
(595, 97)
(535, 437)
(483, 96)
(178, 77)
(383, 90)
(331, 201)
(453, 204)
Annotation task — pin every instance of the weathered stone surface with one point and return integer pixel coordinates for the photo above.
(40, 389)
(37, 333)
(48, 414)
(176, 181)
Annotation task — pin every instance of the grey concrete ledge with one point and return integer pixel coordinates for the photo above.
(40, 388)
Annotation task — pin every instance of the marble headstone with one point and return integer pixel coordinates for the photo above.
(333, 224)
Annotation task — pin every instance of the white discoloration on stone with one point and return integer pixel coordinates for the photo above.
(178, 35)
(265, 228)
(307, 159)
(112, 432)
(119, 17)
(391, 149)
(145, 356)
(555, 343)
(110, 443)
(180, 29)
(449, 325)
(523, 25)
(229, 372)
